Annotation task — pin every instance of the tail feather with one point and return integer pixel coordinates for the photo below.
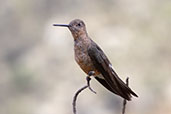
(125, 91)
(121, 89)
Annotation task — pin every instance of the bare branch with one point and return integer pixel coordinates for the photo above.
(79, 91)
(124, 101)
(88, 86)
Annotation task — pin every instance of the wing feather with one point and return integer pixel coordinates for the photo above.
(102, 64)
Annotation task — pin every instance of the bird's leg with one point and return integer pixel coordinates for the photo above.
(91, 73)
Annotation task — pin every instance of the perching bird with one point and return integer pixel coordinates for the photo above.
(90, 57)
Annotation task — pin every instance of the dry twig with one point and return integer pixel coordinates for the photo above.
(124, 101)
(79, 91)
(88, 86)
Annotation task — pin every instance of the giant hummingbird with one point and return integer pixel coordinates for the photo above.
(90, 57)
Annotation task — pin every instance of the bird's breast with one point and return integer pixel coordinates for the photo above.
(83, 59)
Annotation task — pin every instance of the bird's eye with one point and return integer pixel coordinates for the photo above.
(79, 24)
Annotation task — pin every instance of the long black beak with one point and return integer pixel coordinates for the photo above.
(61, 25)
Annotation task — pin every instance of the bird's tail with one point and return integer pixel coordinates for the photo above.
(123, 90)
(118, 87)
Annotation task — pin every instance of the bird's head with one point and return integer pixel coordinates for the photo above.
(77, 28)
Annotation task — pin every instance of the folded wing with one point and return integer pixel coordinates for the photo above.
(111, 80)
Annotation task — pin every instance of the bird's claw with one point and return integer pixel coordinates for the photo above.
(91, 73)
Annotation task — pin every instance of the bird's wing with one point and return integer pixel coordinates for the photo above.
(103, 65)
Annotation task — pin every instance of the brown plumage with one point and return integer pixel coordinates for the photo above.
(90, 57)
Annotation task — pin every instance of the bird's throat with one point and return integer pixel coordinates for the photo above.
(79, 35)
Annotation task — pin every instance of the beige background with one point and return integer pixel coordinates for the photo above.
(38, 74)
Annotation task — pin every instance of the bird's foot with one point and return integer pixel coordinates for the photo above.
(91, 73)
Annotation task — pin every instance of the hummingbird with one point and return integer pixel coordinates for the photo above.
(91, 58)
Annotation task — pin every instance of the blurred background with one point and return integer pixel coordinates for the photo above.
(38, 74)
